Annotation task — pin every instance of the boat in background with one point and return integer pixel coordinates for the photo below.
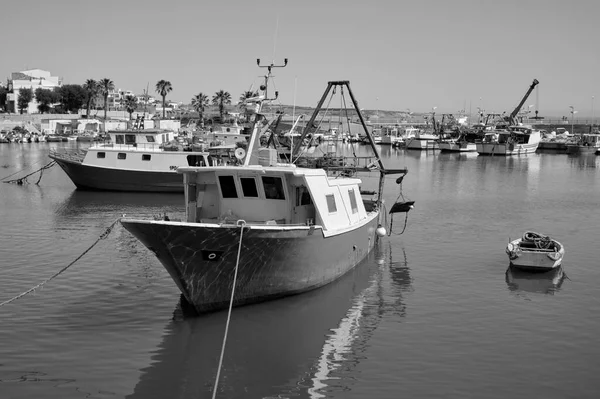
(133, 160)
(587, 143)
(535, 252)
(516, 140)
(262, 229)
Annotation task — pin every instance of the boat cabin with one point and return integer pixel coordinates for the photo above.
(589, 140)
(272, 195)
(150, 139)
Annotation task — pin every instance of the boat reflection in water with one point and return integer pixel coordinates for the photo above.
(289, 347)
(545, 282)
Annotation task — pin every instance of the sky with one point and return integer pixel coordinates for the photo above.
(397, 54)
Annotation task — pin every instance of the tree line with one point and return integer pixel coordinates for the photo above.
(73, 97)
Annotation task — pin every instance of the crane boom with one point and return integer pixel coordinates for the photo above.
(513, 116)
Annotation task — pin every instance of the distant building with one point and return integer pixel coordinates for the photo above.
(32, 79)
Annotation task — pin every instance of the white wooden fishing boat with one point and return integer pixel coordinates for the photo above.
(264, 229)
(535, 252)
(133, 160)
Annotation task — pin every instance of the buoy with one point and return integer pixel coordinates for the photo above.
(380, 231)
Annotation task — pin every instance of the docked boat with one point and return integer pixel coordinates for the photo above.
(423, 141)
(588, 143)
(535, 252)
(516, 140)
(133, 160)
(262, 229)
(461, 142)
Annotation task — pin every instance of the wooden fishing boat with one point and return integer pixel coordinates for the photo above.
(263, 229)
(535, 252)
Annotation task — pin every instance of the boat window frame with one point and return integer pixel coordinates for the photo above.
(331, 204)
(353, 201)
(150, 139)
(130, 139)
(253, 178)
(146, 157)
(121, 155)
(279, 193)
(221, 186)
(101, 154)
(119, 139)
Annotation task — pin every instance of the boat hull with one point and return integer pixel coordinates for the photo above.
(96, 178)
(422, 144)
(534, 259)
(273, 262)
(457, 147)
(506, 149)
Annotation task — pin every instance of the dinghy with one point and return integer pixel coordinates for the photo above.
(535, 252)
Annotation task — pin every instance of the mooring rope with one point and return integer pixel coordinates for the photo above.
(102, 236)
(242, 224)
(23, 179)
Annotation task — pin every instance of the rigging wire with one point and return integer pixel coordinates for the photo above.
(241, 224)
(102, 237)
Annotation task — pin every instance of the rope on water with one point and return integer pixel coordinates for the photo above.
(242, 224)
(102, 236)
(23, 179)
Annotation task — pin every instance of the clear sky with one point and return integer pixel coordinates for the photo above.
(396, 54)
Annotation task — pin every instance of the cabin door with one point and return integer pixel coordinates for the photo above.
(303, 210)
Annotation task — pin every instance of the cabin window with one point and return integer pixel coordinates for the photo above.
(331, 203)
(121, 155)
(150, 139)
(130, 139)
(101, 155)
(273, 187)
(119, 139)
(249, 187)
(195, 160)
(146, 157)
(228, 189)
(353, 201)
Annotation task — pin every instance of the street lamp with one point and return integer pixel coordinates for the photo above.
(592, 113)
(573, 112)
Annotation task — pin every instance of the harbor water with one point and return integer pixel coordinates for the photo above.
(434, 312)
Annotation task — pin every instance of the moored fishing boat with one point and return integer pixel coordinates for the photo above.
(587, 143)
(266, 229)
(133, 160)
(516, 140)
(535, 252)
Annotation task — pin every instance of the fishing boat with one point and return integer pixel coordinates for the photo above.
(587, 143)
(535, 252)
(423, 141)
(516, 140)
(262, 229)
(132, 160)
(458, 142)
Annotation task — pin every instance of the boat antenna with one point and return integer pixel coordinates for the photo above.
(275, 38)
(254, 142)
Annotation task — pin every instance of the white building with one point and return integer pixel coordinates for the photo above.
(32, 79)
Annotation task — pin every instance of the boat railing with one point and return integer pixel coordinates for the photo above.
(73, 156)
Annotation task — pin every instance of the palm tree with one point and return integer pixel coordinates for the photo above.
(221, 98)
(91, 88)
(130, 104)
(200, 102)
(106, 86)
(163, 87)
(242, 104)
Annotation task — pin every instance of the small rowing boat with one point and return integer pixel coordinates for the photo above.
(535, 252)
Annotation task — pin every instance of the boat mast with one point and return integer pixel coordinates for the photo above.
(378, 162)
(252, 156)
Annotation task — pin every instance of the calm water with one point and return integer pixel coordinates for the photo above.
(433, 313)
